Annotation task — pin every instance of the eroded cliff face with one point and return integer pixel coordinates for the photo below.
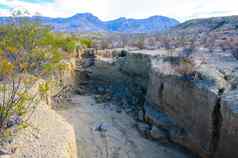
(189, 103)
(229, 129)
(199, 114)
(204, 109)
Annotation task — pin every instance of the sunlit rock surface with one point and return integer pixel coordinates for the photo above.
(48, 136)
(199, 113)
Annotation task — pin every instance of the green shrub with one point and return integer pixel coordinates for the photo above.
(88, 43)
(185, 67)
(28, 52)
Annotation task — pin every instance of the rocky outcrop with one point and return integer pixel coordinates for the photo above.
(119, 74)
(203, 108)
(187, 102)
(197, 113)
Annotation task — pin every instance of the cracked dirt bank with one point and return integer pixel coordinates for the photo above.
(103, 132)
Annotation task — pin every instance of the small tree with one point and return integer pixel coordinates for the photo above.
(186, 67)
(88, 43)
(28, 52)
(152, 42)
(140, 43)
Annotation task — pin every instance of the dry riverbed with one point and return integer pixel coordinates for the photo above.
(103, 132)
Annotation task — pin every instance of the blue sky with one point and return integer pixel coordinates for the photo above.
(111, 9)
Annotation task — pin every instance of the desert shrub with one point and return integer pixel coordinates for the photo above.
(70, 45)
(140, 43)
(185, 67)
(44, 89)
(88, 43)
(67, 43)
(16, 106)
(28, 52)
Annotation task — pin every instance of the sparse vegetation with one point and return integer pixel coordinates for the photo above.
(186, 67)
(86, 42)
(28, 52)
(140, 43)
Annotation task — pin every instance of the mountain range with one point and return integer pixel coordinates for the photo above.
(87, 22)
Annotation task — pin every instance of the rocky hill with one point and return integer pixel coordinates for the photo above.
(209, 25)
(215, 30)
(87, 22)
(215, 34)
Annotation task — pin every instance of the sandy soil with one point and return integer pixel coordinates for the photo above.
(102, 132)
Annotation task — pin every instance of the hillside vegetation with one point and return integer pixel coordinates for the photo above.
(30, 52)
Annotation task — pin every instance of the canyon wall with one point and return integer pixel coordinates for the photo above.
(199, 114)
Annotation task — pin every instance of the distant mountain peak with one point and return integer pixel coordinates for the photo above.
(83, 15)
(87, 22)
(120, 19)
(156, 16)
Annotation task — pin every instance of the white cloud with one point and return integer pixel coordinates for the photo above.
(110, 9)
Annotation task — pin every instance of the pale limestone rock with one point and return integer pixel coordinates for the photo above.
(49, 136)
